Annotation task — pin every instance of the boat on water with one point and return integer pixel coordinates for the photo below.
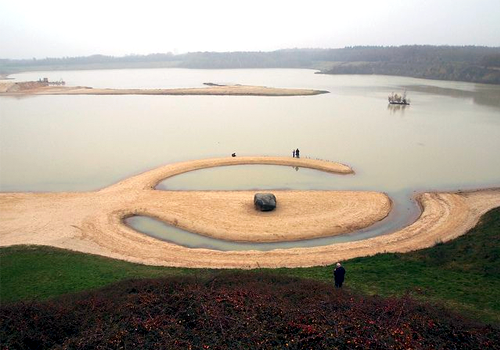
(396, 99)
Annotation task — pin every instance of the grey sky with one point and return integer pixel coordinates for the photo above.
(56, 28)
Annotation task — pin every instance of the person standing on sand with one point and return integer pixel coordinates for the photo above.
(293, 153)
(338, 275)
(297, 152)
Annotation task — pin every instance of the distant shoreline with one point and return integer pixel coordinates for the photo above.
(38, 88)
(475, 64)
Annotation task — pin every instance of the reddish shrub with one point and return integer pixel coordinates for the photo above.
(235, 311)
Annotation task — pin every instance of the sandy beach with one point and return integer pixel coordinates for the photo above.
(92, 222)
(36, 88)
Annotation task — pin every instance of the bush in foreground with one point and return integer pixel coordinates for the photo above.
(235, 311)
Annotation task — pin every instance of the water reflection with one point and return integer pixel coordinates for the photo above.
(486, 96)
(397, 109)
(251, 177)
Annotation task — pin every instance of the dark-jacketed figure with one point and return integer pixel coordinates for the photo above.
(338, 275)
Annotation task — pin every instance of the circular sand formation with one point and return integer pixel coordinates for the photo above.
(92, 222)
(231, 215)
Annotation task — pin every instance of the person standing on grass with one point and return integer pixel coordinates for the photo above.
(293, 153)
(338, 275)
(297, 153)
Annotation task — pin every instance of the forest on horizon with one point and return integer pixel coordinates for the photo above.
(476, 64)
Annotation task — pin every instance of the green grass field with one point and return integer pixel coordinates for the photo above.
(463, 275)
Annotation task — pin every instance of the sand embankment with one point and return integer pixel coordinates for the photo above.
(5, 86)
(92, 222)
(36, 88)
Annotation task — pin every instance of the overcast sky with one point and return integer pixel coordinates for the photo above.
(54, 28)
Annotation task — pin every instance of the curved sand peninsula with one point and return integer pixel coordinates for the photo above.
(92, 222)
(228, 215)
(37, 88)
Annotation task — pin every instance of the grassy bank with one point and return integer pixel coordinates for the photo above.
(463, 275)
(35, 272)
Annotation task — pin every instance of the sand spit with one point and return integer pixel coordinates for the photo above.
(36, 88)
(92, 222)
(226, 215)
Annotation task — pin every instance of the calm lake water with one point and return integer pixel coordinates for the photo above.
(448, 139)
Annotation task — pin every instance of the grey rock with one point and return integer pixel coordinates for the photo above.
(264, 201)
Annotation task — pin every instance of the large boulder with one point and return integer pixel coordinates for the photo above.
(264, 201)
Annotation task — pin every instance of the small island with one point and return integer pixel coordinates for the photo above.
(43, 87)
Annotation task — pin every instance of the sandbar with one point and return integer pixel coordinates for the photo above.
(92, 222)
(37, 88)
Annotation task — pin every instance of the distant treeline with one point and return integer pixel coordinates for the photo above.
(467, 63)
(462, 63)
